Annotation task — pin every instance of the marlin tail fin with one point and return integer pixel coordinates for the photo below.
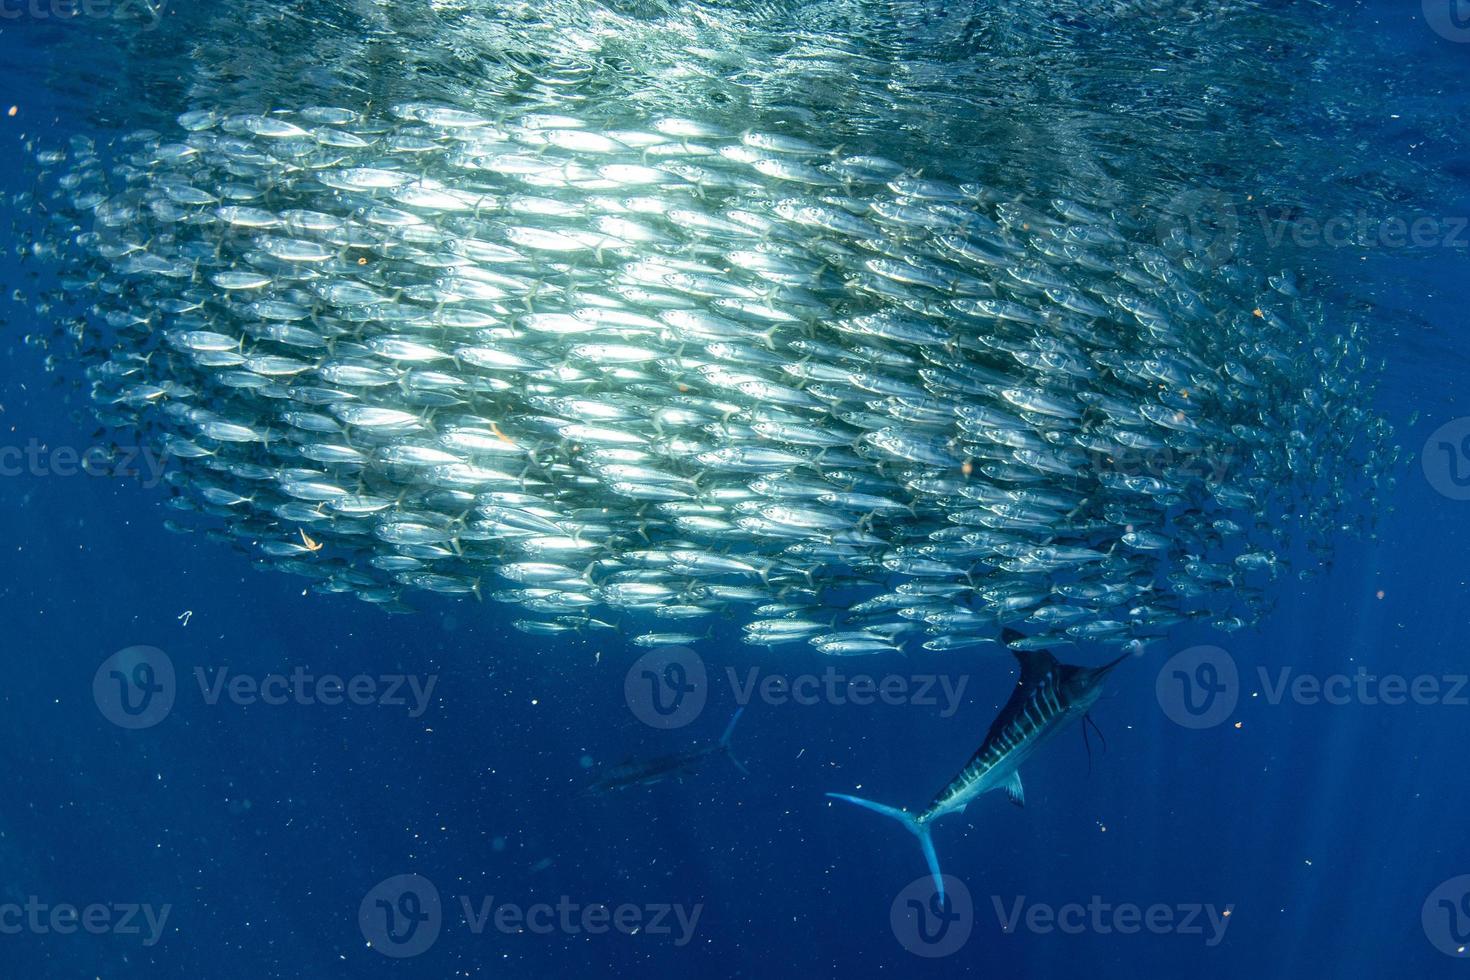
(919, 830)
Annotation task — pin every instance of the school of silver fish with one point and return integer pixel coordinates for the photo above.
(615, 366)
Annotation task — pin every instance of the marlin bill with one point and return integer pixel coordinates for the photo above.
(1047, 698)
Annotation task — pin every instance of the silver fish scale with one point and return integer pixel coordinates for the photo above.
(742, 370)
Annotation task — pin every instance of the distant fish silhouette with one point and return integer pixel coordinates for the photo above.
(652, 771)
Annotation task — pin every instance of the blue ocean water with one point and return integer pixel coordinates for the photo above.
(259, 837)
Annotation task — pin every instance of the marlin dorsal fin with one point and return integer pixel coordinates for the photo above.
(1034, 663)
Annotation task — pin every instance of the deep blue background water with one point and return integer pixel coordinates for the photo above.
(1325, 827)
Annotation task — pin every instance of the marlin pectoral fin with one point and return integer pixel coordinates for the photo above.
(1014, 790)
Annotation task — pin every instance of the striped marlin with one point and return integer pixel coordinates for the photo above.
(1048, 697)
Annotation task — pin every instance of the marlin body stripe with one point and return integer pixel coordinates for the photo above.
(1040, 712)
(1048, 697)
